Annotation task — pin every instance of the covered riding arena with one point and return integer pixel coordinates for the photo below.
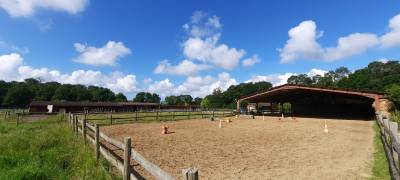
(308, 101)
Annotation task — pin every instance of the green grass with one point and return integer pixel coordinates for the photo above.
(46, 149)
(380, 168)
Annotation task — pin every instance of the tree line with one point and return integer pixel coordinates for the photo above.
(20, 94)
(377, 76)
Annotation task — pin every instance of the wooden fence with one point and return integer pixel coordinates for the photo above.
(115, 118)
(391, 143)
(100, 141)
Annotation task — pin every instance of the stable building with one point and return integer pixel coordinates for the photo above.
(316, 101)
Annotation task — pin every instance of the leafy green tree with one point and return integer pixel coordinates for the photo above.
(302, 79)
(393, 93)
(147, 97)
(186, 99)
(19, 96)
(172, 100)
(197, 101)
(205, 103)
(120, 97)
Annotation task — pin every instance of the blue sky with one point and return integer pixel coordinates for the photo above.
(191, 47)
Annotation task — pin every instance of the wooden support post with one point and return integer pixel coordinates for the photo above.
(76, 125)
(111, 119)
(18, 118)
(127, 158)
(157, 116)
(190, 174)
(84, 129)
(97, 141)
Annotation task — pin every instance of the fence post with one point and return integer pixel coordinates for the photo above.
(96, 139)
(111, 119)
(157, 116)
(136, 118)
(190, 174)
(18, 118)
(127, 158)
(173, 115)
(76, 125)
(189, 113)
(84, 129)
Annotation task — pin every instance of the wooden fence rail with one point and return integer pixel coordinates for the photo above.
(117, 118)
(94, 136)
(390, 140)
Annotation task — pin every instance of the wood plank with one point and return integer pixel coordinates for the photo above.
(153, 169)
(110, 158)
(112, 141)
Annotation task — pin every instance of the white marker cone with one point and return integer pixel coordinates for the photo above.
(220, 124)
(326, 128)
(282, 116)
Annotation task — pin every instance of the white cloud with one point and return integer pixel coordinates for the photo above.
(275, 79)
(185, 67)
(280, 79)
(302, 43)
(392, 38)
(197, 86)
(350, 45)
(202, 45)
(209, 51)
(251, 61)
(315, 71)
(27, 8)
(108, 55)
(9, 64)
(12, 69)
(147, 80)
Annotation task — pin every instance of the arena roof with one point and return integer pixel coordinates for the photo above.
(291, 91)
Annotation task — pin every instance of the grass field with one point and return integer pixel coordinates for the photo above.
(46, 150)
(380, 168)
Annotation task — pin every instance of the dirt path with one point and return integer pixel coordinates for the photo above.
(257, 149)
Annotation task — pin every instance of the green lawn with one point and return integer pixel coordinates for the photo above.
(46, 150)
(380, 168)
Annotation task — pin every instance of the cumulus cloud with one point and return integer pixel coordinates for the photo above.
(185, 67)
(12, 69)
(203, 46)
(27, 8)
(9, 63)
(392, 38)
(197, 86)
(108, 55)
(302, 44)
(280, 79)
(251, 61)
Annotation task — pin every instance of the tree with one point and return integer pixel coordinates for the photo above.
(172, 100)
(147, 97)
(302, 79)
(393, 93)
(186, 99)
(120, 97)
(205, 103)
(197, 101)
(19, 96)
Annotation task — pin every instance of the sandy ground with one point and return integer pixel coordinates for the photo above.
(257, 149)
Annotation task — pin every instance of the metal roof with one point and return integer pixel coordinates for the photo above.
(291, 87)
